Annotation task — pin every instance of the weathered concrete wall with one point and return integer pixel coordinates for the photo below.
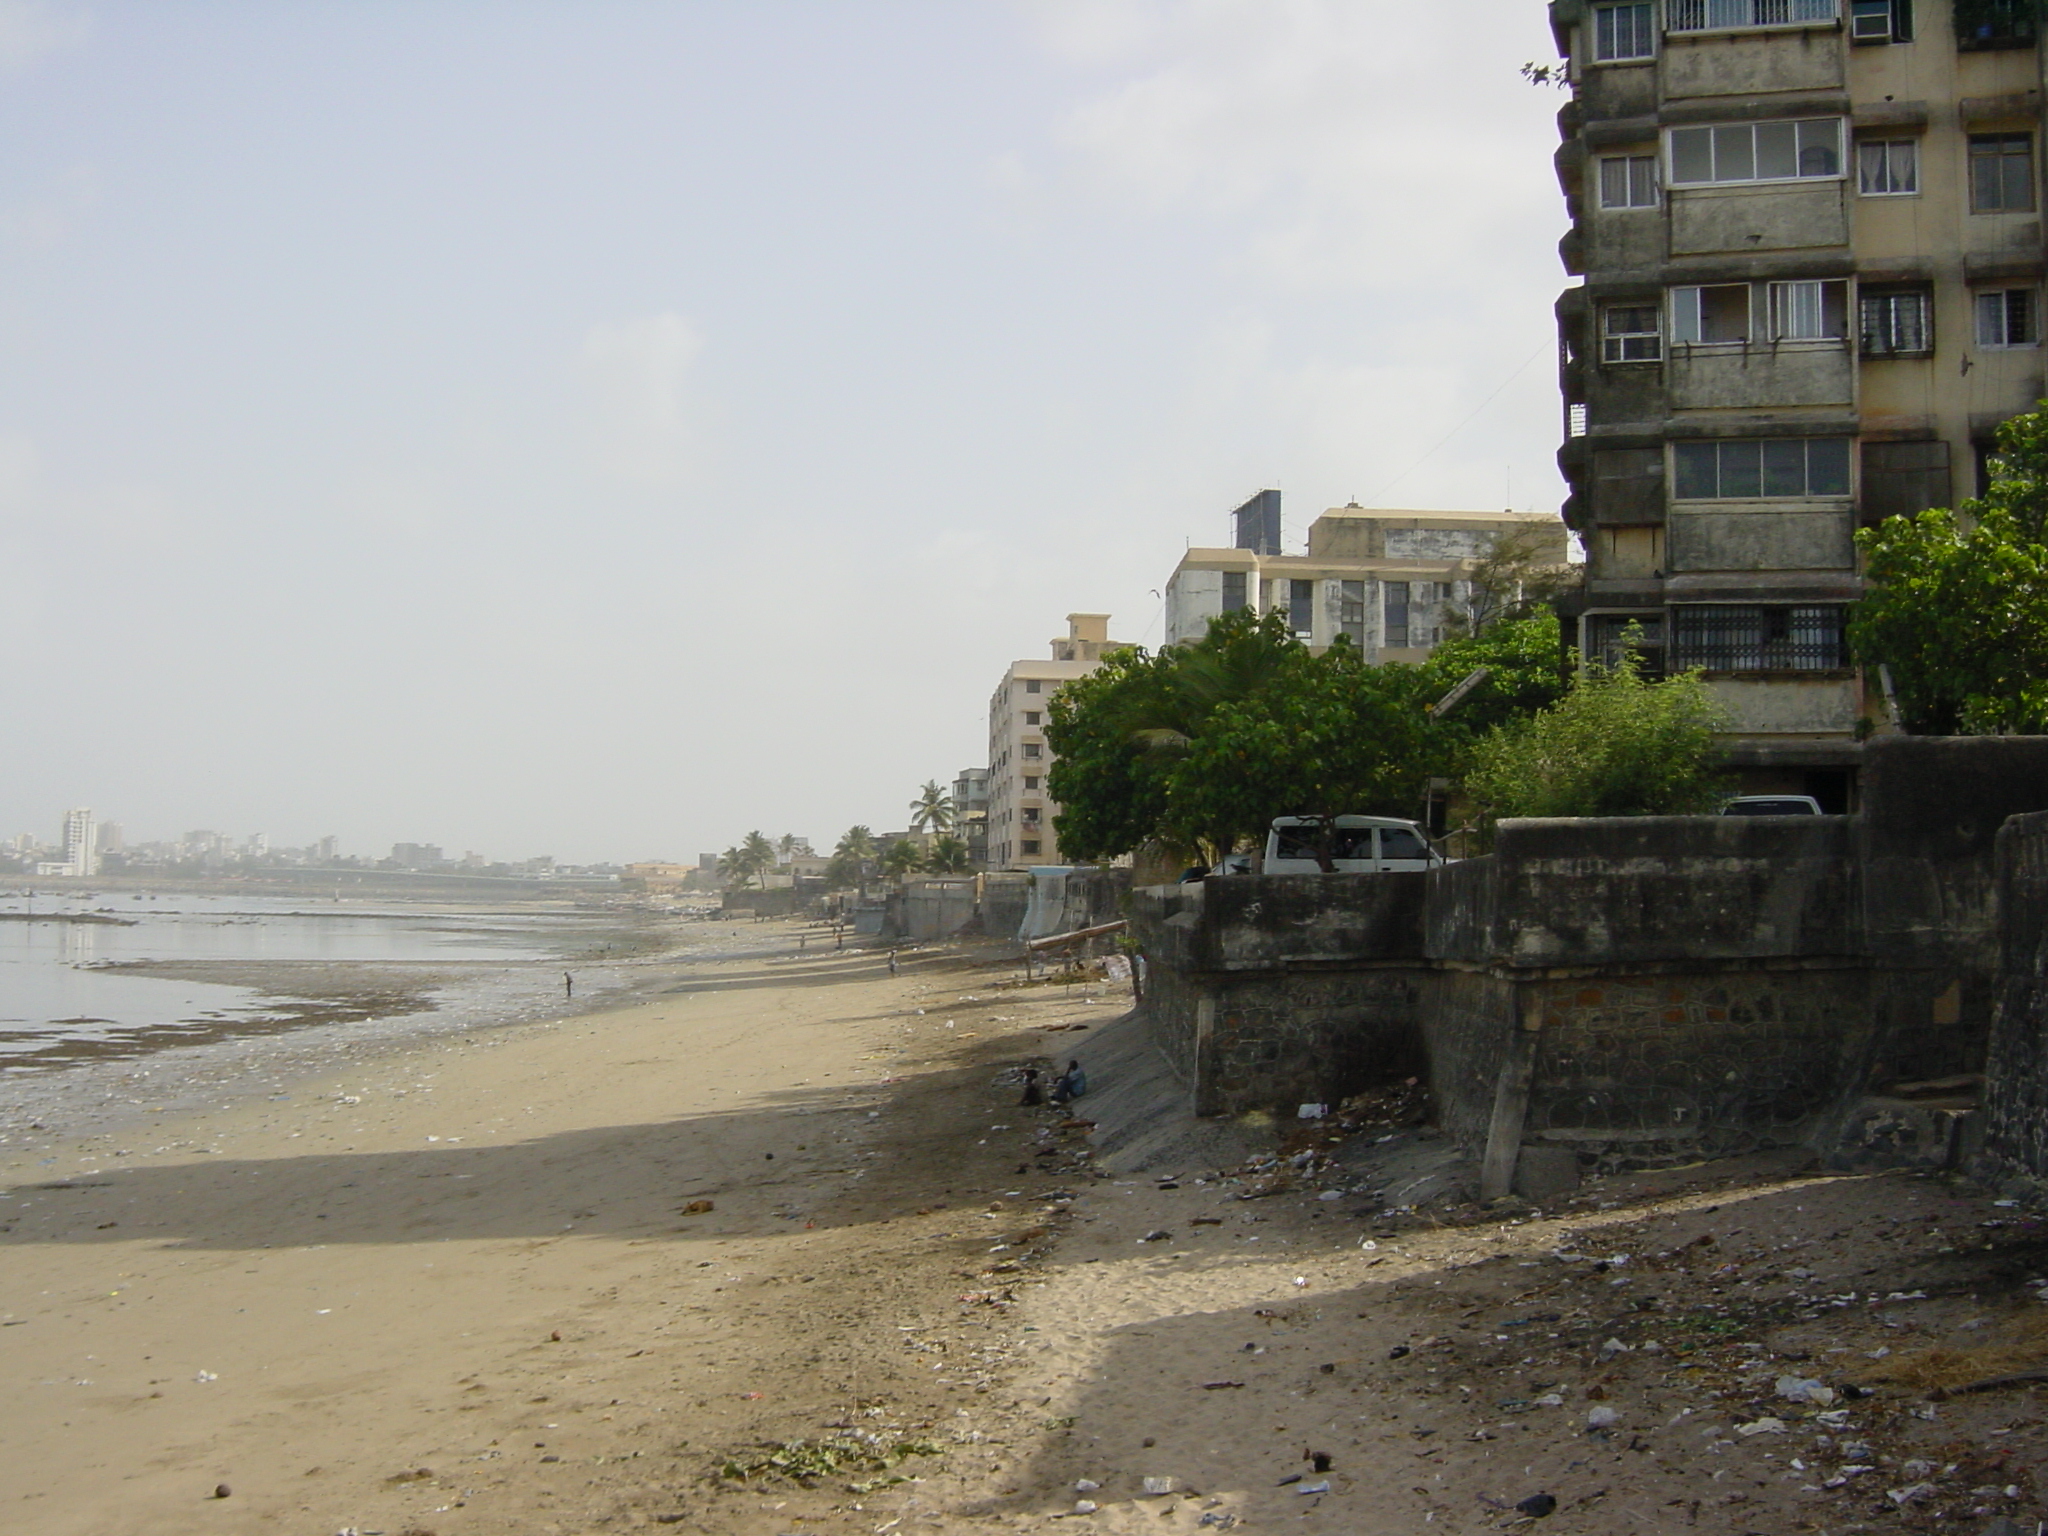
(1760, 538)
(1707, 1062)
(1660, 888)
(1932, 808)
(1714, 219)
(1761, 376)
(2016, 1087)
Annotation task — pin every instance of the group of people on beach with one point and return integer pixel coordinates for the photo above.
(1070, 1084)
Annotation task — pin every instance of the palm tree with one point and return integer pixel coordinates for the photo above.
(760, 854)
(734, 869)
(948, 857)
(932, 810)
(857, 843)
(785, 847)
(902, 858)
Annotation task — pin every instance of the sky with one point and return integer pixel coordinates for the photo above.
(602, 428)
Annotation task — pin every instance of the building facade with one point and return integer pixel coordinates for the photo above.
(1809, 234)
(1020, 811)
(1391, 582)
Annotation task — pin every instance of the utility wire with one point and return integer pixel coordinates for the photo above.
(1461, 426)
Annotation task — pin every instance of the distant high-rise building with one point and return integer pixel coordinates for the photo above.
(110, 838)
(1258, 524)
(81, 851)
(327, 850)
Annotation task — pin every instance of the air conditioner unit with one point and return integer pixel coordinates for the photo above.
(1871, 24)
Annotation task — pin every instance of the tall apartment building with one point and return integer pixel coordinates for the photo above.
(1390, 581)
(1810, 237)
(81, 847)
(1020, 811)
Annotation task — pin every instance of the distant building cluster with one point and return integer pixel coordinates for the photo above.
(86, 848)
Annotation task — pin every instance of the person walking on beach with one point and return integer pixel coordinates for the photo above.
(568, 986)
(892, 962)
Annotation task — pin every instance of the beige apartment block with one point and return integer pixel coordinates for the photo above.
(1392, 582)
(1020, 811)
(1810, 237)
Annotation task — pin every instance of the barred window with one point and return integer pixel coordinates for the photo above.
(2008, 317)
(1750, 469)
(1234, 591)
(1628, 181)
(1624, 32)
(1396, 612)
(1730, 638)
(1896, 322)
(1612, 637)
(1709, 15)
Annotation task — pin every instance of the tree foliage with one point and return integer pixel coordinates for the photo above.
(1199, 747)
(1615, 745)
(902, 858)
(1956, 604)
(948, 857)
(932, 810)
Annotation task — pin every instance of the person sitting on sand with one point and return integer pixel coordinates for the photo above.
(1071, 1085)
(1033, 1094)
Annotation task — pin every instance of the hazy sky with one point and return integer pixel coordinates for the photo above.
(601, 429)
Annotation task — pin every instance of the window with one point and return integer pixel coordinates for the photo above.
(1887, 167)
(1880, 21)
(1029, 845)
(1351, 611)
(1901, 479)
(1809, 311)
(1623, 32)
(1031, 781)
(1994, 24)
(1712, 15)
(1032, 685)
(1792, 151)
(1726, 638)
(1628, 181)
(2008, 317)
(1233, 591)
(1896, 322)
(1301, 605)
(1710, 316)
(1396, 623)
(1612, 637)
(1629, 334)
(1031, 815)
(1400, 843)
(2001, 173)
(1752, 469)
(1031, 716)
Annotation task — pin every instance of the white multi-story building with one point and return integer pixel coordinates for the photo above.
(1390, 581)
(81, 848)
(1020, 811)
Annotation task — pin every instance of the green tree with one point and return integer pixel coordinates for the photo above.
(932, 810)
(1515, 579)
(735, 868)
(859, 842)
(902, 858)
(759, 852)
(1956, 604)
(948, 857)
(1614, 745)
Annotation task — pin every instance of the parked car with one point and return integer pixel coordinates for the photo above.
(1359, 845)
(1772, 805)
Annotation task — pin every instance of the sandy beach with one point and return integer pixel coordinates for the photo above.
(606, 1272)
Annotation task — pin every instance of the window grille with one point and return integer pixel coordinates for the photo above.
(1575, 419)
(1396, 599)
(1996, 24)
(1727, 638)
(1301, 604)
(2008, 317)
(1234, 591)
(1624, 32)
(1713, 15)
(1609, 641)
(1896, 323)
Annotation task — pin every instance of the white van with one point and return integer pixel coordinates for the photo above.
(1359, 845)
